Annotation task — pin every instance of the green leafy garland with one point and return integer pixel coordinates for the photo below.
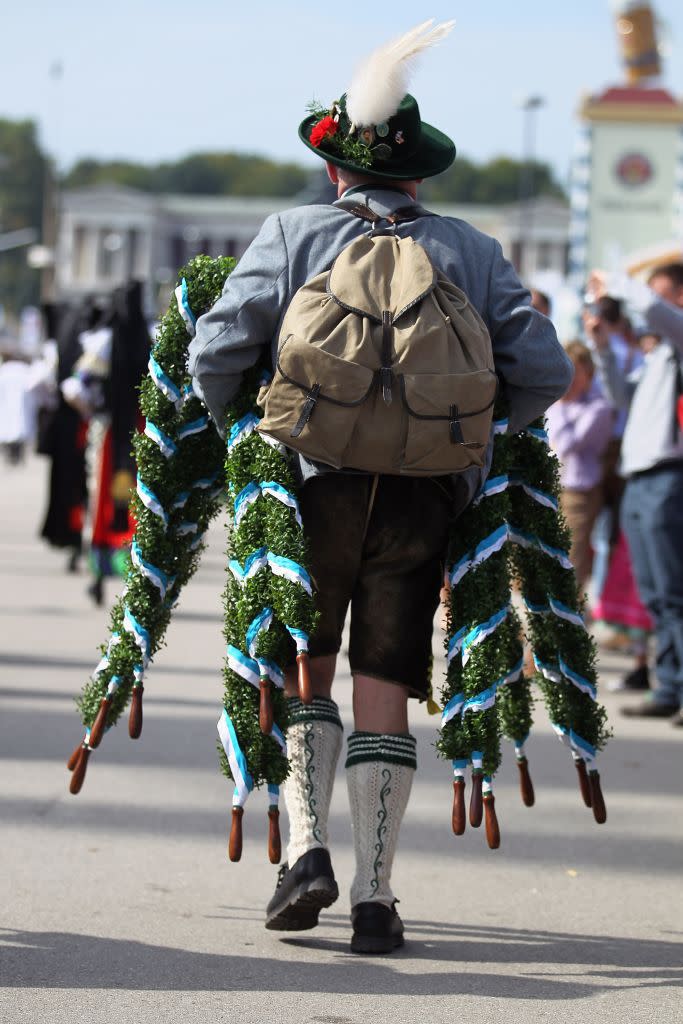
(179, 490)
(514, 531)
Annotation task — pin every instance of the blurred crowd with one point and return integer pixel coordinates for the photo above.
(618, 433)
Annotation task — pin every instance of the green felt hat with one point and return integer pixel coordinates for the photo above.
(403, 148)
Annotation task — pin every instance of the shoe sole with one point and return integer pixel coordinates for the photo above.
(375, 944)
(300, 911)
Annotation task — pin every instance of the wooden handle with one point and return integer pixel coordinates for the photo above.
(476, 804)
(135, 716)
(459, 819)
(274, 841)
(526, 786)
(97, 731)
(492, 830)
(584, 784)
(305, 686)
(78, 775)
(235, 844)
(599, 809)
(73, 760)
(265, 711)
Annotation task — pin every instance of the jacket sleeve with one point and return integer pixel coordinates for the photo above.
(532, 366)
(231, 336)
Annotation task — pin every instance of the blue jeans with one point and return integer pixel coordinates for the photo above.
(652, 518)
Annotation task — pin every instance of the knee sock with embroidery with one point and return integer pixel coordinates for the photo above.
(314, 740)
(379, 772)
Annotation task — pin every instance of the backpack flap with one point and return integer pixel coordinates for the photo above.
(381, 273)
(449, 420)
(316, 401)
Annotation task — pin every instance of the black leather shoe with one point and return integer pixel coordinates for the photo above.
(302, 891)
(649, 709)
(638, 679)
(377, 928)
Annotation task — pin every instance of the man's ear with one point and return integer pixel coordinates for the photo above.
(332, 173)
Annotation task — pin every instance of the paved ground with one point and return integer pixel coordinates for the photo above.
(121, 904)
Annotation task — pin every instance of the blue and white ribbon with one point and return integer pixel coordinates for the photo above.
(487, 698)
(560, 556)
(275, 490)
(103, 663)
(269, 670)
(535, 609)
(501, 426)
(244, 783)
(199, 539)
(156, 576)
(139, 634)
(180, 501)
(258, 625)
(246, 668)
(539, 496)
(205, 483)
(276, 733)
(460, 766)
(483, 551)
(519, 747)
(188, 393)
(114, 684)
(561, 733)
(540, 435)
(273, 795)
(477, 759)
(477, 635)
(494, 485)
(548, 672)
(299, 637)
(242, 429)
(254, 562)
(151, 502)
(164, 383)
(453, 708)
(138, 673)
(568, 614)
(455, 644)
(195, 427)
(186, 527)
(289, 570)
(165, 444)
(582, 747)
(578, 681)
(487, 785)
(184, 309)
(244, 500)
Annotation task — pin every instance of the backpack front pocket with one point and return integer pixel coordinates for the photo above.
(449, 420)
(314, 401)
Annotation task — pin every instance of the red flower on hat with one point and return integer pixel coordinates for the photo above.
(327, 126)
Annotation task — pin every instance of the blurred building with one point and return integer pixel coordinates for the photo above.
(109, 234)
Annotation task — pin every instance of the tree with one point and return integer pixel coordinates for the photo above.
(497, 181)
(22, 175)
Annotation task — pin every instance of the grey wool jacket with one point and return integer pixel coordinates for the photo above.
(296, 245)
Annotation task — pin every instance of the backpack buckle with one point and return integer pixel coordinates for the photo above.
(454, 426)
(309, 406)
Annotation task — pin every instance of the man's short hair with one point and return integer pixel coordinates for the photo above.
(673, 271)
(609, 309)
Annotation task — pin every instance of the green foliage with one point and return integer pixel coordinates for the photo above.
(22, 174)
(495, 182)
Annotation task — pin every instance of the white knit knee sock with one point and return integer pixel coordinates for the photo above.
(314, 740)
(379, 773)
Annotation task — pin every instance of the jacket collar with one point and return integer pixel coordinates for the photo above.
(381, 199)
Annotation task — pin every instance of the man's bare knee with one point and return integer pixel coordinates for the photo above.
(322, 676)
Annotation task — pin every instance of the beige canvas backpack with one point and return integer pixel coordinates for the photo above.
(383, 364)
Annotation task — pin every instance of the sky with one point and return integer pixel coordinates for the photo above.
(150, 81)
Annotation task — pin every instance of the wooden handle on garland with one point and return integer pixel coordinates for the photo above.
(73, 760)
(98, 727)
(459, 818)
(598, 802)
(526, 786)
(274, 841)
(476, 803)
(305, 685)
(492, 830)
(235, 844)
(584, 783)
(78, 775)
(135, 716)
(265, 711)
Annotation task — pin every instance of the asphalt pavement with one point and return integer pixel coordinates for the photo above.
(120, 904)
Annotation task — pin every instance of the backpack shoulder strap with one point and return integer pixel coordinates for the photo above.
(400, 216)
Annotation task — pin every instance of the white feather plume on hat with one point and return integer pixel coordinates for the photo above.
(381, 80)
